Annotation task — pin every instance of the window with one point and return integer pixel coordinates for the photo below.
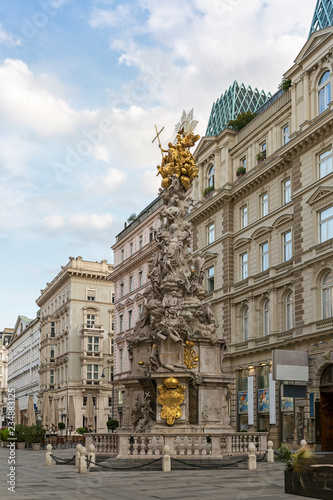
(264, 256)
(131, 284)
(122, 255)
(327, 295)
(210, 279)
(285, 134)
(324, 92)
(52, 328)
(264, 204)
(52, 351)
(120, 360)
(131, 248)
(246, 324)
(151, 234)
(211, 177)
(140, 278)
(325, 163)
(290, 311)
(243, 162)
(265, 319)
(90, 320)
(112, 298)
(244, 266)
(287, 247)
(244, 216)
(92, 372)
(121, 322)
(93, 344)
(129, 319)
(326, 224)
(51, 377)
(286, 191)
(85, 400)
(121, 289)
(91, 295)
(140, 241)
(211, 233)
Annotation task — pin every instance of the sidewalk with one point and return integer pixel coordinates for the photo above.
(36, 482)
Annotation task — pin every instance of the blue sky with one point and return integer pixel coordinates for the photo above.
(82, 84)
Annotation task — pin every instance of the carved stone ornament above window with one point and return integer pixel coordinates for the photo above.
(262, 232)
(241, 242)
(322, 194)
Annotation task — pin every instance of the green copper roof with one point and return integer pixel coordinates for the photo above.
(235, 100)
(323, 15)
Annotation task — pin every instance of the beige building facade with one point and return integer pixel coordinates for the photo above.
(268, 236)
(76, 345)
(5, 338)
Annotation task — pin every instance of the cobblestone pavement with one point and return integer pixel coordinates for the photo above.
(36, 481)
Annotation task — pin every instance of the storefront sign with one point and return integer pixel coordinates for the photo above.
(290, 365)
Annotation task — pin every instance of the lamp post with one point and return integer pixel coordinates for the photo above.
(59, 387)
(110, 382)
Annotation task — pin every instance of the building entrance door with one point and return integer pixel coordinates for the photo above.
(326, 409)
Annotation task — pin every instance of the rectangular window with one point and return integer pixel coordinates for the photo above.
(244, 216)
(121, 289)
(285, 134)
(210, 279)
(325, 163)
(51, 377)
(112, 346)
(264, 256)
(131, 284)
(52, 328)
(90, 320)
(264, 204)
(120, 360)
(140, 241)
(211, 233)
(243, 162)
(122, 255)
(130, 319)
(109, 401)
(286, 191)
(92, 372)
(151, 235)
(131, 248)
(112, 298)
(91, 295)
(287, 248)
(52, 351)
(140, 278)
(326, 224)
(93, 344)
(121, 322)
(244, 266)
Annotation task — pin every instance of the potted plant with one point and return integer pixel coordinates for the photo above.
(21, 436)
(296, 465)
(112, 424)
(285, 84)
(207, 191)
(240, 171)
(261, 156)
(82, 430)
(4, 435)
(35, 435)
(61, 426)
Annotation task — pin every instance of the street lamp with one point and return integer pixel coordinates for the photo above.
(110, 382)
(59, 387)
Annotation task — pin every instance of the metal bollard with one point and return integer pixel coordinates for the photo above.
(91, 455)
(77, 455)
(166, 460)
(82, 461)
(48, 458)
(270, 452)
(252, 463)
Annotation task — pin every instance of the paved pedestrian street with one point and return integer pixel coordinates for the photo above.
(36, 481)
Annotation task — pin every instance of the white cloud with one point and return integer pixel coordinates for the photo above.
(101, 18)
(8, 39)
(90, 221)
(53, 222)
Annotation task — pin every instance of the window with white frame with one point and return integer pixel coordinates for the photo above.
(130, 315)
(112, 297)
(211, 177)
(53, 328)
(211, 233)
(245, 325)
(52, 377)
(52, 351)
(290, 311)
(243, 162)
(327, 295)
(91, 320)
(285, 134)
(264, 204)
(93, 344)
(244, 213)
(210, 279)
(91, 294)
(286, 187)
(325, 163)
(326, 224)
(92, 372)
(140, 278)
(121, 322)
(264, 256)
(287, 246)
(324, 92)
(265, 319)
(131, 284)
(244, 266)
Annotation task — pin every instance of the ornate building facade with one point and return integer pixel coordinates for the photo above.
(269, 235)
(76, 344)
(5, 337)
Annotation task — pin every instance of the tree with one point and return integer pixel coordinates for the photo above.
(241, 120)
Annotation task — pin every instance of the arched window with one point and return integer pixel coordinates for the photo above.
(324, 92)
(290, 311)
(211, 172)
(246, 323)
(327, 295)
(265, 318)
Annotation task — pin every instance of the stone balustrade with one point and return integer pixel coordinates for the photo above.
(215, 445)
